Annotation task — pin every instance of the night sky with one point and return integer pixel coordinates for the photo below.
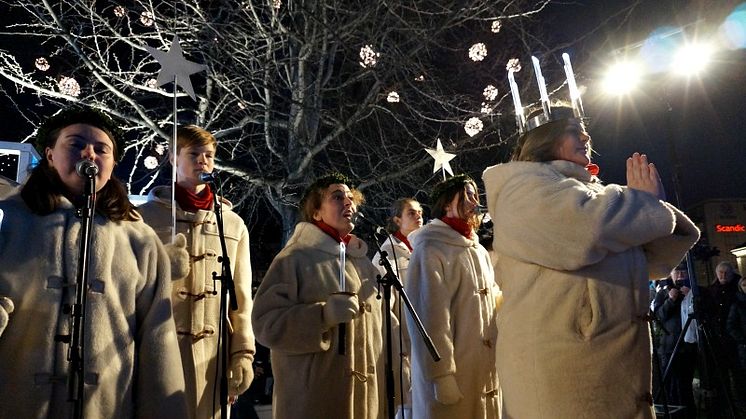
(702, 118)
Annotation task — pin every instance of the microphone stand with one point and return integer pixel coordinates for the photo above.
(388, 280)
(227, 293)
(77, 311)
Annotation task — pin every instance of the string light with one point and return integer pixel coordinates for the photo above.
(478, 52)
(42, 64)
(473, 126)
(490, 92)
(69, 86)
(150, 162)
(368, 57)
(147, 18)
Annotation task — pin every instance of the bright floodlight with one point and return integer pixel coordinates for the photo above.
(692, 58)
(622, 78)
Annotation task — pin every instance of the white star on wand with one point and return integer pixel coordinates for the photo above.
(442, 159)
(176, 68)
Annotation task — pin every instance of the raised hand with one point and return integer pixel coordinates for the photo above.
(643, 176)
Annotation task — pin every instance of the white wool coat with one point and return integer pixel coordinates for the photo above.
(573, 262)
(312, 380)
(196, 308)
(398, 255)
(451, 284)
(132, 362)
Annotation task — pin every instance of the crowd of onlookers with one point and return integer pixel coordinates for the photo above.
(704, 330)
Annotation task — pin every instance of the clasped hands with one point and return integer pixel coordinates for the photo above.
(643, 176)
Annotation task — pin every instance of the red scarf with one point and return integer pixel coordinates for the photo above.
(459, 225)
(192, 202)
(402, 238)
(593, 169)
(331, 231)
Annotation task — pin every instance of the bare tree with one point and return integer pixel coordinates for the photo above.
(294, 88)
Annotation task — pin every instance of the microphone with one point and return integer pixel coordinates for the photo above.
(359, 218)
(86, 168)
(480, 210)
(208, 177)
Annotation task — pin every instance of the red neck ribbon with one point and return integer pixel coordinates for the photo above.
(190, 201)
(398, 234)
(459, 225)
(331, 231)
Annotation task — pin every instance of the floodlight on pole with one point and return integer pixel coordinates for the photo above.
(622, 78)
(692, 58)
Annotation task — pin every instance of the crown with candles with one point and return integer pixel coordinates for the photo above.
(548, 114)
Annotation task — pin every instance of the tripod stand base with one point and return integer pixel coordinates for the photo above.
(676, 412)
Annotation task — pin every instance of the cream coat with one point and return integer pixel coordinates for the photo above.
(311, 379)
(398, 255)
(451, 284)
(573, 262)
(132, 362)
(196, 308)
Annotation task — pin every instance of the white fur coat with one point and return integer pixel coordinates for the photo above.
(132, 362)
(573, 262)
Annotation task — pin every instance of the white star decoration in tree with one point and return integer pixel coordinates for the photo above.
(441, 158)
(174, 65)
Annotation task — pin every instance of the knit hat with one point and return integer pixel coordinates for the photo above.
(78, 114)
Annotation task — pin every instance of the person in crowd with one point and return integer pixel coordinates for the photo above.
(130, 354)
(573, 261)
(736, 327)
(406, 217)
(673, 314)
(687, 356)
(721, 296)
(452, 287)
(196, 295)
(320, 284)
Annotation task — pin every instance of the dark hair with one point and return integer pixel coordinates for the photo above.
(445, 191)
(540, 144)
(397, 210)
(49, 131)
(314, 194)
(43, 190)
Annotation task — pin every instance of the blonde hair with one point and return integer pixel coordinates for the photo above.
(540, 144)
(194, 136)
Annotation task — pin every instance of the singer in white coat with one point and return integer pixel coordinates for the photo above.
(452, 286)
(303, 299)
(196, 296)
(406, 217)
(131, 358)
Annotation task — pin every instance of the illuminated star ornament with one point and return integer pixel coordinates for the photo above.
(176, 68)
(441, 158)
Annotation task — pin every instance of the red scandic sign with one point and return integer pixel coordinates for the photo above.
(735, 228)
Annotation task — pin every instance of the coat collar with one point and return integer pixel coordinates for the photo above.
(440, 231)
(162, 195)
(308, 235)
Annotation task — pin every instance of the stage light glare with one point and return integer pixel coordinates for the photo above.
(621, 78)
(692, 58)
